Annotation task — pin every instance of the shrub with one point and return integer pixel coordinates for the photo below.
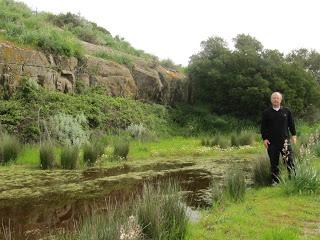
(105, 113)
(69, 157)
(261, 171)
(69, 130)
(47, 156)
(140, 132)
(9, 148)
(29, 88)
(161, 214)
(121, 148)
(91, 152)
(235, 185)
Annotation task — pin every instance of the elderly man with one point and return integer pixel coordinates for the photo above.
(275, 126)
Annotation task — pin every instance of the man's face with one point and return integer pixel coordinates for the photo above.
(276, 100)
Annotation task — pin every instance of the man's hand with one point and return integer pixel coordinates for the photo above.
(266, 143)
(294, 139)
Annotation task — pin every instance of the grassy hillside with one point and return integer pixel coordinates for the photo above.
(57, 34)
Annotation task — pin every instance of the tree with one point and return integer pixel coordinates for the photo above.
(240, 82)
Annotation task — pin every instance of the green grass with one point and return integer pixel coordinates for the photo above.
(265, 212)
(58, 34)
(26, 28)
(119, 58)
(161, 150)
(30, 156)
(178, 146)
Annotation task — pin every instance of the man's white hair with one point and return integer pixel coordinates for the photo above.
(276, 93)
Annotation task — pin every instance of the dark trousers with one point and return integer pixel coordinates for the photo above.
(274, 151)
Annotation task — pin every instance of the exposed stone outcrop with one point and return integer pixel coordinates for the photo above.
(115, 78)
(144, 80)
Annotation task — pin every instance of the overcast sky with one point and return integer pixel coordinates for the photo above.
(174, 28)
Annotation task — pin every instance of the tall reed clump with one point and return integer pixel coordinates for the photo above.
(160, 213)
(305, 178)
(261, 171)
(47, 156)
(316, 149)
(235, 185)
(9, 148)
(218, 140)
(91, 153)
(121, 149)
(217, 194)
(245, 137)
(114, 224)
(69, 157)
(156, 214)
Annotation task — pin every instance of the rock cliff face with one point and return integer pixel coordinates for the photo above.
(143, 80)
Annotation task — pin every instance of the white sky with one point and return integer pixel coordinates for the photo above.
(174, 28)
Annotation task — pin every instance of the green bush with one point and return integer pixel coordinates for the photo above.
(69, 130)
(69, 157)
(121, 148)
(235, 185)
(261, 171)
(161, 214)
(140, 132)
(47, 156)
(9, 148)
(103, 113)
(91, 152)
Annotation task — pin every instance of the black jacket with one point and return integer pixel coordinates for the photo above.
(275, 125)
